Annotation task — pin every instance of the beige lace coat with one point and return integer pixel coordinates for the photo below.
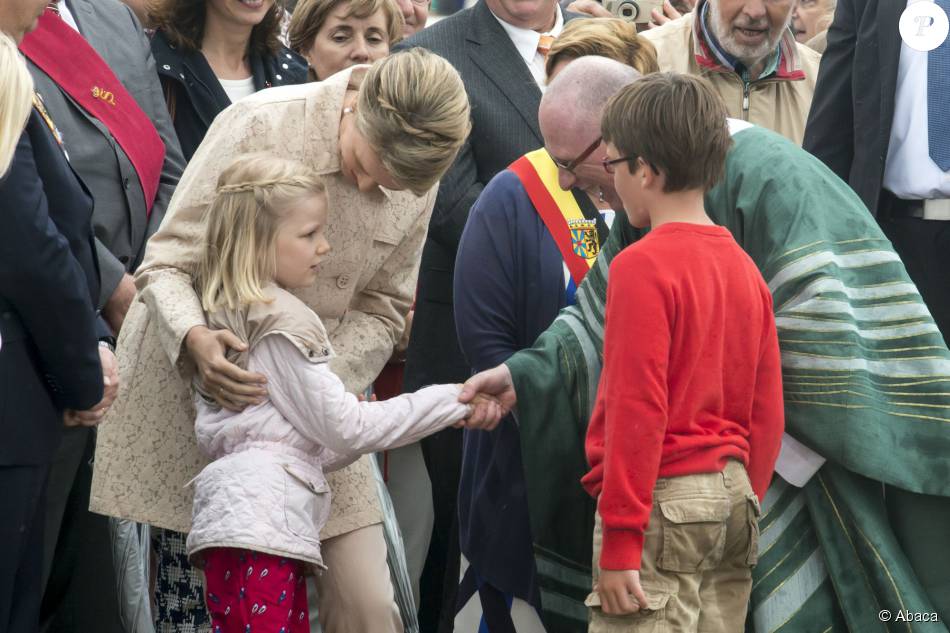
(146, 451)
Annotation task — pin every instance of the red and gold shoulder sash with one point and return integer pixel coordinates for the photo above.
(69, 60)
(576, 236)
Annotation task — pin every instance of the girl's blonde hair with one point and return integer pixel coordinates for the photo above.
(607, 37)
(240, 256)
(413, 110)
(16, 99)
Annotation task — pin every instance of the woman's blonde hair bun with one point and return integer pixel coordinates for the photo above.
(414, 111)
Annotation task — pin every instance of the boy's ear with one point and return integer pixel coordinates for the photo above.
(652, 180)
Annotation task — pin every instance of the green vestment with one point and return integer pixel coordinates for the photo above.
(866, 383)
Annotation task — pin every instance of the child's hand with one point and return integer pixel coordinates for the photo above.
(487, 412)
(620, 591)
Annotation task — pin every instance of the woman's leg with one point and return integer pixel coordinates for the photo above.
(355, 593)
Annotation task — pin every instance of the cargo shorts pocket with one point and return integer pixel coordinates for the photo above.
(753, 511)
(650, 619)
(693, 533)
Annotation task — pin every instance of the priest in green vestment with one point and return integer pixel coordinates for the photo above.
(866, 385)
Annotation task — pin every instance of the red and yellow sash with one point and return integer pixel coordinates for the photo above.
(69, 60)
(575, 235)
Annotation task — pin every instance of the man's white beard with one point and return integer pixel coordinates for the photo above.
(748, 55)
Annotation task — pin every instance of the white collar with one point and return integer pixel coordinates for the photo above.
(67, 15)
(525, 40)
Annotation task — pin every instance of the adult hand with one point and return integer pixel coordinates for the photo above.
(590, 7)
(118, 304)
(659, 19)
(487, 412)
(620, 591)
(110, 381)
(229, 385)
(493, 382)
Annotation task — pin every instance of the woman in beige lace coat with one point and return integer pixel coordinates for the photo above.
(372, 134)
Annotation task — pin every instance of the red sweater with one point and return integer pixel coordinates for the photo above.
(691, 377)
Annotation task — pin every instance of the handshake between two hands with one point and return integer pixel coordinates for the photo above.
(491, 395)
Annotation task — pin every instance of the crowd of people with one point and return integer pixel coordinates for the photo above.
(534, 319)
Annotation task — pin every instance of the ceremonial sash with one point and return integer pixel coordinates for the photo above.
(65, 55)
(574, 233)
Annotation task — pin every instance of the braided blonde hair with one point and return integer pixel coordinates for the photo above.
(16, 98)
(240, 256)
(413, 110)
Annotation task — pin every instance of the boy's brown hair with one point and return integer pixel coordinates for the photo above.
(676, 124)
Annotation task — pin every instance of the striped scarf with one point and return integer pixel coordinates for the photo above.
(867, 385)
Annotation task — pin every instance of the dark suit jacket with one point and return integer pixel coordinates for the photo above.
(849, 125)
(49, 357)
(505, 100)
(120, 219)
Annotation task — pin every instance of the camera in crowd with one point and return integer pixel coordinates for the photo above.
(633, 10)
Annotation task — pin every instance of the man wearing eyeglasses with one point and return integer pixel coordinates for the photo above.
(526, 247)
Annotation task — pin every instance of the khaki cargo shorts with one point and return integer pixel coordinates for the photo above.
(698, 554)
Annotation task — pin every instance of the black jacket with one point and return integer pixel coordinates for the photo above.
(49, 279)
(849, 125)
(193, 94)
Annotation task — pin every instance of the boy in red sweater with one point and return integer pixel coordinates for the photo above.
(689, 414)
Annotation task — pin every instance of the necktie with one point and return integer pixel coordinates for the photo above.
(544, 44)
(938, 99)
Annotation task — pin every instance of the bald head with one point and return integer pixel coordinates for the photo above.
(574, 101)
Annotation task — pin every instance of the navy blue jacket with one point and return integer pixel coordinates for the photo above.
(509, 286)
(49, 279)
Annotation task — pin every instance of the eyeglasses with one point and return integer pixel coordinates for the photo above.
(609, 163)
(572, 165)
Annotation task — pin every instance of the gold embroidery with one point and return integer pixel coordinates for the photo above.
(103, 95)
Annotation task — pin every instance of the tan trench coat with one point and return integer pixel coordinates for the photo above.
(779, 103)
(146, 451)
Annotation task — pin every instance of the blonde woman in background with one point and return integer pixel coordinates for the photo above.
(336, 34)
(50, 360)
(607, 37)
(381, 172)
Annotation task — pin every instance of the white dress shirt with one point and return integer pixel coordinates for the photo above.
(909, 172)
(526, 42)
(67, 15)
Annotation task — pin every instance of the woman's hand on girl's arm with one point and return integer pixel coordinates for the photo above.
(232, 387)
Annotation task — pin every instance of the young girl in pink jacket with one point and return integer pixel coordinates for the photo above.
(260, 504)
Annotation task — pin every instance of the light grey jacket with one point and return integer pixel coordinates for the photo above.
(119, 217)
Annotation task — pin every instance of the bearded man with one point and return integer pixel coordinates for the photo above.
(747, 51)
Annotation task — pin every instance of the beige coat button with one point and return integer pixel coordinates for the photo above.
(343, 281)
